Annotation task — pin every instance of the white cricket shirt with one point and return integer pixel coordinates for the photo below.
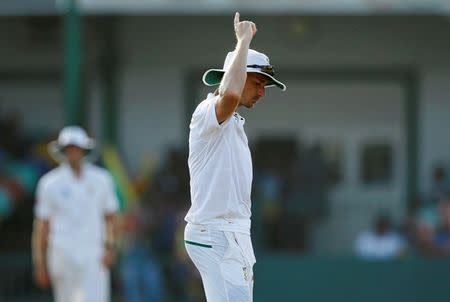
(76, 208)
(220, 167)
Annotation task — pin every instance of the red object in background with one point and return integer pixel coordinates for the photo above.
(14, 188)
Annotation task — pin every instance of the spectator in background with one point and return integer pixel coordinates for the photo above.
(186, 278)
(140, 270)
(268, 191)
(73, 235)
(167, 195)
(12, 139)
(431, 224)
(19, 172)
(442, 238)
(381, 242)
(425, 230)
(306, 198)
(440, 188)
(424, 245)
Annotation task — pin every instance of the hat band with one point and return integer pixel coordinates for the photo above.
(264, 68)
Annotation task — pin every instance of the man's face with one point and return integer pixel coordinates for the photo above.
(73, 154)
(254, 89)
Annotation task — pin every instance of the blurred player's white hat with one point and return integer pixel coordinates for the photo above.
(70, 136)
(256, 62)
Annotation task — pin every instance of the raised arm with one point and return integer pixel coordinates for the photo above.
(233, 80)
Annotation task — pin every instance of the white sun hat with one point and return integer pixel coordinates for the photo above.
(256, 62)
(70, 136)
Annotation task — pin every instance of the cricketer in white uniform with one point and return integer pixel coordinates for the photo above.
(73, 235)
(217, 235)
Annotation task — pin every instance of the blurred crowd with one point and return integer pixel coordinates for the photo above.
(290, 196)
(23, 159)
(290, 192)
(154, 265)
(425, 232)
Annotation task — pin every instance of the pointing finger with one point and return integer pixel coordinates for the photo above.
(236, 18)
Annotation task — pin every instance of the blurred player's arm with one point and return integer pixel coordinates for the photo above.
(111, 239)
(39, 242)
(233, 80)
(111, 220)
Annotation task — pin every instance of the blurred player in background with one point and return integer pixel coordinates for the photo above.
(74, 229)
(217, 236)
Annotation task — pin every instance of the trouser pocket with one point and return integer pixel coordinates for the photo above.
(235, 267)
(197, 236)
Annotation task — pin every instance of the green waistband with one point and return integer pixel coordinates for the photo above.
(197, 244)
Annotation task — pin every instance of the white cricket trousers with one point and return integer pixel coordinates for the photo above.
(225, 261)
(78, 281)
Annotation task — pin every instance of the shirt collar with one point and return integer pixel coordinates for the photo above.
(68, 170)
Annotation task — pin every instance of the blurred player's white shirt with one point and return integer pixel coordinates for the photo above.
(76, 209)
(220, 167)
(372, 246)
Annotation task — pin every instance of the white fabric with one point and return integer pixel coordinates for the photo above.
(370, 245)
(78, 282)
(225, 262)
(253, 58)
(76, 209)
(220, 167)
(74, 135)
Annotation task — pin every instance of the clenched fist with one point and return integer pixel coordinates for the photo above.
(245, 30)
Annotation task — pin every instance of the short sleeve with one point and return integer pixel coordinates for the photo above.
(43, 205)
(110, 202)
(204, 120)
